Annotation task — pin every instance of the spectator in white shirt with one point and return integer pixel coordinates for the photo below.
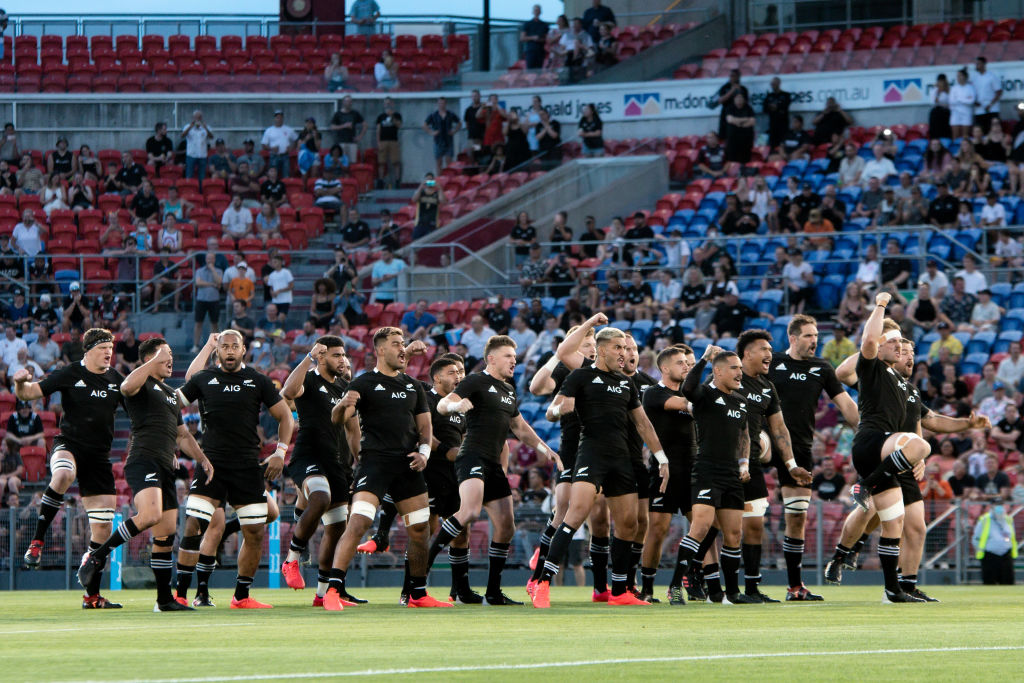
(935, 279)
(880, 167)
(197, 146)
(279, 140)
(993, 214)
(851, 167)
(10, 345)
(1008, 251)
(986, 314)
(989, 87)
(974, 279)
(798, 279)
(868, 271)
(236, 219)
(667, 290)
(44, 350)
(523, 336)
(474, 339)
(27, 238)
(1011, 368)
(281, 282)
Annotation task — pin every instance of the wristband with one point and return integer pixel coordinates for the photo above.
(551, 364)
(556, 410)
(791, 464)
(744, 464)
(541, 448)
(659, 455)
(425, 450)
(312, 360)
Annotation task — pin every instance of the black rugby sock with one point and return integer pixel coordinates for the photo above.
(859, 545)
(450, 528)
(184, 579)
(458, 558)
(634, 561)
(599, 562)
(337, 580)
(730, 569)
(793, 552)
(496, 555)
(647, 577)
(388, 512)
(620, 564)
(559, 548)
(709, 540)
(891, 465)
(204, 570)
(713, 578)
(841, 552)
(751, 566)
(545, 547)
(908, 582)
(49, 506)
(688, 546)
(124, 532)
(889, 557)
(161, 564)
(94, 587)
(242, 584)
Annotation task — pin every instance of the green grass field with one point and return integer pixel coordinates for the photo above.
(976, 633)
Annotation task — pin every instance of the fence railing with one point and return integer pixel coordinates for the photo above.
(947, 544)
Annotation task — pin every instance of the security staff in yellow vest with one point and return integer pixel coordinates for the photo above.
(995, 545)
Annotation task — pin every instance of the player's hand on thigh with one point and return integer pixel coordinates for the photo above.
(919, 470)
(419, 461)
(663, 472)
(274, 464)
(744, 476)
(801, 476)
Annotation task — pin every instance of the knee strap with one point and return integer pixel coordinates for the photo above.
(894, 511)
(200, 508)
(335, 515)
(758, 508)
(62, 464)
(316, 484)
(191, 543)
(796, 505)
(421, 516)
(164, 540)
(249, 515)
(362, 507)
(100, 515)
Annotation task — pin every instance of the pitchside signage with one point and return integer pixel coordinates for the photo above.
(872, 89)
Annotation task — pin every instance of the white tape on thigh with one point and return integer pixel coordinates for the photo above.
(100, 515)
(313, 484)
(758, 508)
(796, 505)
(904, 438)
(200, 508)
(335, 515)
(894, 511)
(421, 516)
(361, 507)
(252, 514)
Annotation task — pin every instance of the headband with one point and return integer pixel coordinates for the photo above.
(892, 334)
(102, 340)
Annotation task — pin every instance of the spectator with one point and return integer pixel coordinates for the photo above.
(667, 291)
(54, 195)
(993, 214)
(943, 210)
(1008, 252)
(851, 167)
(77, 312)
(236, 219)
(818, 224)
(364, 14)
(933, 486)
(591, 131)
(126, 351)
(937, 161)
(342, 271)
(989, 89)
(798, 279)
(796, 142)
(417, 322)
(729, 317)
(252, 158)
(832, 120)
(725, 97)
(499, 162)
(828, 483)
(305, 339)
(222, 161)
(606, 46)
(349, 127)
(61, 162)
(549, 139)
(29, 178)
(974, 279)
(428, 199)
(384, 277)
(240, 321)
(839, 347)
(960, 481)
(995, 544)
(497, 315)
(938, 117)
(924, 311)
(711, 159)
(493, 117)
(776, 105)
(992, 484)
(947, 341)
(244, 184)
(443, 125)
(870, 202)
(517, 148)
(594, 16)
(579, 50)
(385, 72)
(474, 340)
(207, 283)
(72, 351)
(935, 279)
(388, 232)
(895, 270)
(175, 206)
(22, 362)
(335, 73)
(879, 167)
(327, 189)
(45, 314)
(145, 203)
(27, 238)
(240, 280)
(522, 335)
(24, 427)
(12, 469)
(389, 152)
(44, 350)
(561, 234)
(272, 189)
(80, 194)
(532, 37)
(197, 143)
(986, 314)
(1008, 432)
(355, 234)
(739, 121)
(270, 320)
(279, 140)
(9, 150)
(1011, 368)
(87, 163)
(957, 177)
(994, 407)
(533, 270)
(561, 275)
(474, 126)
(281, 283)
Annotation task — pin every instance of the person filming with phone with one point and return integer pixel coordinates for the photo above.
(428, 199)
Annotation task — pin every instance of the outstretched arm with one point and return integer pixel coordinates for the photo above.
(873, 327)
(847, 370)
(569, 350)
(524, 432)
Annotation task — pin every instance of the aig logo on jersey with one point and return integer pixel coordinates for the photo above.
(232, 387)
(399, 394)
(98, 393)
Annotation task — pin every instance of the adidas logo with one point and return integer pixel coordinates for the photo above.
(597, 380)
(781, 366)
(213, 381)
(323, 389)
(720, 401)
(379, 388)
(79, 383)
(492, 390)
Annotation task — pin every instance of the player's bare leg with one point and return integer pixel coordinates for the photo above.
(100, 511)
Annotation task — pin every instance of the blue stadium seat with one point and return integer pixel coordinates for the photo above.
(769, 301)
(699, 345)
(1001, 292)
(530, 410)
(927, 339)
(749, 298)
(818, 165)
(65, 278)
(757, 324)
(641, 330)
(981, 342)
(1007, 336)
(727, 344)
(623, 325)
(919, 145)
(979, 358)
(1016, 300)
(970, 368)
(963, 337)
(708, 204)
(708, 215)
(686, 325)
(829, 290)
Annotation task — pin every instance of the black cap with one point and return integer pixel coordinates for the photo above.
(248, 141)
(932, 262)
(943, 326)
(23, 404)
(985, 291)
(219, 141)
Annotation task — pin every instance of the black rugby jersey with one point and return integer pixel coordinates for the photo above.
(387, 409)
(673, 427)
(642, 381)
(603, 402)
(449, 431)
(881, 396)
(89, 401)
(230, 403)
(721, 419)
(799, 384)
(319, 438)
(155, 416)
(494, 408)
(762, 402)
